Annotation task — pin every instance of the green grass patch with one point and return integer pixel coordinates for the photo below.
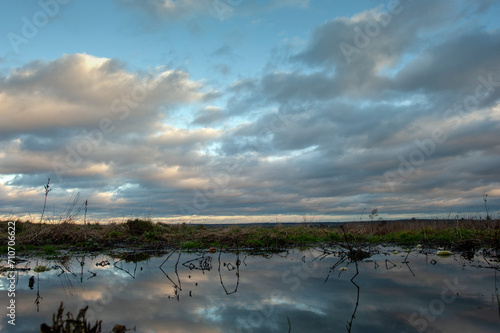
(115, 234)
(41, 269)
(190, 245)
(4, 249)
(132, 239)
(216, 244)
(151, 236)
(49, 249)
(28, 247)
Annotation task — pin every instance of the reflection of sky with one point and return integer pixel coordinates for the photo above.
(269, 292)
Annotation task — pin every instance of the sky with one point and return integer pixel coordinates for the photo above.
(249, 111)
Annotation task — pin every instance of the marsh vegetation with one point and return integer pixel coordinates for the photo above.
(49, 238)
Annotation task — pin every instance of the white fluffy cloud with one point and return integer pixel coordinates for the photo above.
(80, 90)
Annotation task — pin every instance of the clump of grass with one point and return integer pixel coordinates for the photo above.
(95, 225)
(41, 269)
(139, 227)
(150, 235)
(115, 234)
(28, 247)
(191, 245)
(134, 257)
(49, 249)
(132, 239)
(79, 324)
(71, 324)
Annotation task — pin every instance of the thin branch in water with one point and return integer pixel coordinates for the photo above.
(176, 286)
(387, 267)
(341, 260)
(407, 263)
(349, 324)
(122, 269)
(497, 294)
(237, 274)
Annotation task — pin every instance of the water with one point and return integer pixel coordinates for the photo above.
(310, 291)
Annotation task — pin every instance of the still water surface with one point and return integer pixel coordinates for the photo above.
(316, 290)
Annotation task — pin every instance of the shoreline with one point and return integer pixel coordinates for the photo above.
(49, 239)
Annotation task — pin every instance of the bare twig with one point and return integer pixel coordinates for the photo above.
(47, 190)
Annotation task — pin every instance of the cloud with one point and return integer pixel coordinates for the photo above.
(222, 9)
(360, 48)
(311, 133)
(209, 115)
(332, 134)
(83, 118)
(223, 50)
(222, 69)
(454, 64)
(168, 9)
(79, 90)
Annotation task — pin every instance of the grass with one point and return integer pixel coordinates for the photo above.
(74, 325)
(49, 238)
(41, 269)
(49, 249)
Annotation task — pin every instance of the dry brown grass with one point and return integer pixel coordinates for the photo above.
(146, 233)
(62, 233)
(386, 227)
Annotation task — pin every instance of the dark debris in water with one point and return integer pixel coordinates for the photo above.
(76, 325)
(358, 254)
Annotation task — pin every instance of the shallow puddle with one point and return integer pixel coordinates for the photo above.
(312, 291)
